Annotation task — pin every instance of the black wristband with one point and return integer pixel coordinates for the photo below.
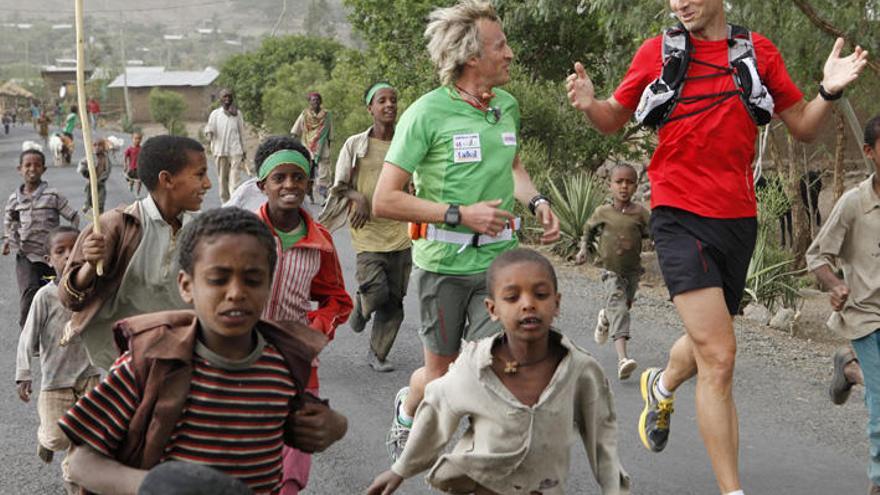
(533, 203)
(829, 96)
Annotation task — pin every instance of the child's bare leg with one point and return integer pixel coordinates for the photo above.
(435, 367)
(620, 347)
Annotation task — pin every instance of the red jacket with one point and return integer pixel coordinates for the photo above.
(308, 271)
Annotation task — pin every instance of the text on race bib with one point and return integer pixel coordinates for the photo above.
(508, 138)
(466, 148)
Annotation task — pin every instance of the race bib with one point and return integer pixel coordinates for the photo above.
(508, 138)
(466, 148)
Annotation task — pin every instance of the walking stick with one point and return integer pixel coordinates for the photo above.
(86, 128)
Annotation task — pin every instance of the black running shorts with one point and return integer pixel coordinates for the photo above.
(697, 252)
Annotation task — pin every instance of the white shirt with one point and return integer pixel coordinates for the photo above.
(227, 133)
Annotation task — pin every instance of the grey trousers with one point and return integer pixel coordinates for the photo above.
(620, 291)
(382, 279)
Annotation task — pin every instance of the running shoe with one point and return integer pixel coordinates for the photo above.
(600, 335)
(625, 368)
(397, 436)
(45, 454)
(840, 387)
(654, 420)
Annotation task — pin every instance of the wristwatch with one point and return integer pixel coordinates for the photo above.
(829, 96)
(452, 217)
(537, 200)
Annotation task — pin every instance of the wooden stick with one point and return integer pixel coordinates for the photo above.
(84, 122)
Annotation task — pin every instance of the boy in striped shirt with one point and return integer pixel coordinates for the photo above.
(308, 267)
(216, 386)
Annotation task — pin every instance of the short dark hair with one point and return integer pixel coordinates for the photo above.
(32, 152)
(223, 221)
(164, 153)
(74, 109)
(518, 255)
(623, 165)
(277, 143)
(60, 230)
(872, 131)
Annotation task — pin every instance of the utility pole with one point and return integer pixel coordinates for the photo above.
(124, 69)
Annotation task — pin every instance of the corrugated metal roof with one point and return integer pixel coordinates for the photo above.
(153, 78)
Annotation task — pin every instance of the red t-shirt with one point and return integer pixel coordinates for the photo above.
(703, 163)
(94, 106)
(132, 154)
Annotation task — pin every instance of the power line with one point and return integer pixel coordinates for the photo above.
(110, 11)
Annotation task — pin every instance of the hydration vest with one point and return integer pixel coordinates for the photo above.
(660, 98)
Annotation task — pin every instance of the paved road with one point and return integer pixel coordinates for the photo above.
(793, 441)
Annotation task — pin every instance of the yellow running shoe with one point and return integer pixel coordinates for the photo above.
(654, 420)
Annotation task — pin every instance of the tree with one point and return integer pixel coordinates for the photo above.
(249, 74)
(286, 97)
(167, 108)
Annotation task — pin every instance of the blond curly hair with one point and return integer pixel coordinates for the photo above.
(453, 37)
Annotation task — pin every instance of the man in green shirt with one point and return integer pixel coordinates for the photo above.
(70, 121)
(459, 145)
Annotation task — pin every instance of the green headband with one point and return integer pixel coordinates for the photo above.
(375, 88)
(281, 157)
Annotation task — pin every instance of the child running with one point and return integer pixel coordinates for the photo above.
(848, 242)
(137, 245)
(131, 163)
(67, 373)
(216, 386)
(102, 169)
(32, 211)
(620, 227)
(308, 265)
(531, 382)
(384, 256)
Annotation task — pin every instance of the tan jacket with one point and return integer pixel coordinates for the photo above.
(508, 447)
(335, 213)
(848, 240)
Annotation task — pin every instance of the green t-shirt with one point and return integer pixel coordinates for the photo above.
(70, 123)
(457, 155)
(289, 239)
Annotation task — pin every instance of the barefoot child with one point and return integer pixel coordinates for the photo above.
(66, 371)
(215, 386)
(138, 246)
(620, 227)
(308, 265)
(526, 393)
(32, 211)
(848, 242)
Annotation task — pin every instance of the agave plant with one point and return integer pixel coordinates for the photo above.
(579, 196)
(770, 280)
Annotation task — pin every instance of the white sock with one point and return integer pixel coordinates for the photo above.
(738, 492)
(404, 417)
(663, 392)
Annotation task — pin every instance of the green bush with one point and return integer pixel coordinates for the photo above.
(167, 108)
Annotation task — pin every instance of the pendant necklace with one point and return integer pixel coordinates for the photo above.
(513, 366)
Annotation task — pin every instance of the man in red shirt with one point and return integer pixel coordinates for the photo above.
(703, 207)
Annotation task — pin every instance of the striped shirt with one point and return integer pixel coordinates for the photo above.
(233, 418)
(291, 297)
(29, 218)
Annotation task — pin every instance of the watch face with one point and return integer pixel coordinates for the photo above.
(453, 216)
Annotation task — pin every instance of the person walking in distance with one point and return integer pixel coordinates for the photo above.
(225, 130)
(702, 197)
(314, 127)
(459, 145)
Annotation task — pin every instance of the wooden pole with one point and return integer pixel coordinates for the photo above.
(88, 144)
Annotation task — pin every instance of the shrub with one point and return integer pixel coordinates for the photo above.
(167, 108)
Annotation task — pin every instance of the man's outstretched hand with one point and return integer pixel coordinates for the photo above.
(580, 88)
(839, 71)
